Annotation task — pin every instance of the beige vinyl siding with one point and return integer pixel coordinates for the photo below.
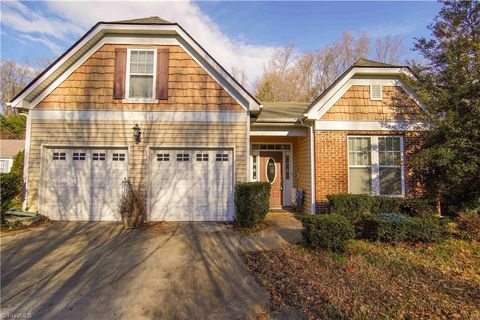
(120, 133)
(303, 165)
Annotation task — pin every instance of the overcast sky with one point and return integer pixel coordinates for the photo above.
(237, 34)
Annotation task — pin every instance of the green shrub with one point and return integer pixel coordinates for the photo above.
(380, 204)
(419, 207)
(390, 227)
(423, 230)
(351, 206)
(10, 188)
(327, 231)
(17, 165)
(252, 202)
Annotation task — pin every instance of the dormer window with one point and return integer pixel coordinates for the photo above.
(375, 92)
(140, 80)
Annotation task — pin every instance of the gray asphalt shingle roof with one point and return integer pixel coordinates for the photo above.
(147, 20)
(282, 111)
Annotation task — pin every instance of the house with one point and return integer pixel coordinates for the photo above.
(142, 100)
(8, 150)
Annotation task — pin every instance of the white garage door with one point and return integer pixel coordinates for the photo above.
(191, 185)
(83, 184)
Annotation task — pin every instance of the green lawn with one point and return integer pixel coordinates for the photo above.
(374, 280)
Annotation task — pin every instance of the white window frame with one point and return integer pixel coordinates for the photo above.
(153, 99)
(371, 91)
(375, 163)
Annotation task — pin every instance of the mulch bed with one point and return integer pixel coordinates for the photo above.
(43, 221)
(373, 281)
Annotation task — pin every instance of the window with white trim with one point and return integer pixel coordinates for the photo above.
(5, 165)
(254, 167)
(390, 165)
(141, 74)
(360, 164)
(375, 165)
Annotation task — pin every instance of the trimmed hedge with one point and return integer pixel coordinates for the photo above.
(10, 188)
(388, 227)
(422, 230)
(252, 202)
(393, 227)
(327, 231)
(354, 206)
(419, 207)
(351, 206)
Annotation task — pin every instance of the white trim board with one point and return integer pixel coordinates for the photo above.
(292, 132)
(104, 115)
(333, 125)
(148, 35)
(335, 93)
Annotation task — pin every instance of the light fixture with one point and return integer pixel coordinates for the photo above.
(137, 133)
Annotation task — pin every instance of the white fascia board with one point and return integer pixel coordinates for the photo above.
(321, 107)
(333, 125)
(144, 116)
(183, 39)
(20, 99)
(278, 132)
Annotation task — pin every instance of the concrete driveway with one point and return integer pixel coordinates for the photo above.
(100, 270)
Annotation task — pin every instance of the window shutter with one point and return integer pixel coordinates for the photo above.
(162, 74)
(119, 73)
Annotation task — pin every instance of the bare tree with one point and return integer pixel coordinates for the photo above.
(291, 76)
(239, 75)
(389, 49)
(13, 77)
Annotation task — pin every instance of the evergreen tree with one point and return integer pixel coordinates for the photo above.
(449, 162)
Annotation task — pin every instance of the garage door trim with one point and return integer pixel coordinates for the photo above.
(153, 148)
(43, 147)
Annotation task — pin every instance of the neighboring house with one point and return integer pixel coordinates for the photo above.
(8, 150)
(142, 100)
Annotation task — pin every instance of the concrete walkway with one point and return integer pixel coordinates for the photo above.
(100, 270)
(283, 228)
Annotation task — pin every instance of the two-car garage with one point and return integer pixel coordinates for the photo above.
(184, 184)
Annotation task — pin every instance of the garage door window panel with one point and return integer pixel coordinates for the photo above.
(59, 156)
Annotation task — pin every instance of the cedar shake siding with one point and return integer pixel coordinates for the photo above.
(91, 86)
(119, 133)
(355, 104)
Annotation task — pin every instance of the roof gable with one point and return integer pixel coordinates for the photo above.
(362, 67)
(150, 30)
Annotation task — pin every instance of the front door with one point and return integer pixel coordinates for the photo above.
(271, 171)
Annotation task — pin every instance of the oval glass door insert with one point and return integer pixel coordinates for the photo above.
(271, 170)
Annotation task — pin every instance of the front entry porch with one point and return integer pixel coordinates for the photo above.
(285, 163)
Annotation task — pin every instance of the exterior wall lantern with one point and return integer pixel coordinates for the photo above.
(137, 133)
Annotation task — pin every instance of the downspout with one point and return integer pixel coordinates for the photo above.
(26, 156)
(301, 121)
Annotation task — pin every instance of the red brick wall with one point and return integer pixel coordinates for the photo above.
(331, 162)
